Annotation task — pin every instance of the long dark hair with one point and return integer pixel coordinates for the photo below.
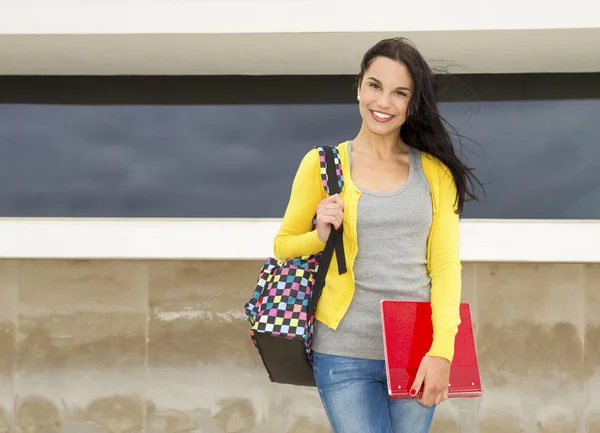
(424, 127)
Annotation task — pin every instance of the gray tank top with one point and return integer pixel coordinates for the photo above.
(391, 263)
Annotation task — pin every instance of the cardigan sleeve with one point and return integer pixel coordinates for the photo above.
(296, 236)
(445, 269)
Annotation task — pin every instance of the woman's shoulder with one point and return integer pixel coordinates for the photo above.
(312, 157)
(311, 161)
(433, 166)
(315, 150)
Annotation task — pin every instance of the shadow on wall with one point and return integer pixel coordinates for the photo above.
(117, 415)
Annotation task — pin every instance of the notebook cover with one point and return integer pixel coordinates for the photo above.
(408, 334)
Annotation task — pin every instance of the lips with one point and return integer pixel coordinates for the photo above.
(380, 116)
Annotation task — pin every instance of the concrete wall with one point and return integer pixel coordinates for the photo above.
(162, 346)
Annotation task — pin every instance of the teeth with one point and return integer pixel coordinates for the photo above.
(382, 115)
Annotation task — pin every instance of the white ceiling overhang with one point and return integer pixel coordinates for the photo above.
(291, 36)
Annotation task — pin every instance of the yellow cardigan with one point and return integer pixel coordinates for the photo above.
(296, 237)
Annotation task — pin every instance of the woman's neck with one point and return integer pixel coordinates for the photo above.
(380, 146)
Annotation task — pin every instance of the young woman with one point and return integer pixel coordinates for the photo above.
(404, 191)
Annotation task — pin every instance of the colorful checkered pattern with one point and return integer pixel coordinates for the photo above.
(280, 301)
(324, 178)
(279, 305)
(338, 168)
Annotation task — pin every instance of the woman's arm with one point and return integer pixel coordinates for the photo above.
(445, 270)
(296, 236)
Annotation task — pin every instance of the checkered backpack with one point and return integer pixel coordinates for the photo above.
(281, 311)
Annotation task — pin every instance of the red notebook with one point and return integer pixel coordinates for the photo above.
(407, 337)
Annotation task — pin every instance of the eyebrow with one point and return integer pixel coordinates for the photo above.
(379, 82)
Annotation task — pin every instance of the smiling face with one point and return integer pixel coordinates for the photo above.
(384, 95)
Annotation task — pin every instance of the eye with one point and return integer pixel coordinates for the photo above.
(401, 93)
(373, 85)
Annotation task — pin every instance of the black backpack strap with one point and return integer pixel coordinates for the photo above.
(334, 184)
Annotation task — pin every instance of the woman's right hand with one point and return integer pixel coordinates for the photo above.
(329, 211)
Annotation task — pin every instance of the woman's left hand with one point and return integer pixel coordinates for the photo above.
(434, 373)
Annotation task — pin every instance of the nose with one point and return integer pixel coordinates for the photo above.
(384, 101)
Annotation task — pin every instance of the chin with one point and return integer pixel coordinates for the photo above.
(383, 130)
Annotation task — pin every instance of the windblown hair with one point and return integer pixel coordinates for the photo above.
(424, 126)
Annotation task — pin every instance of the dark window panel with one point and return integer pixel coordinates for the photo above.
(229, 146)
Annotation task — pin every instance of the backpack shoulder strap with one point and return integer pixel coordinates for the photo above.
(331, 169)
(333, 182)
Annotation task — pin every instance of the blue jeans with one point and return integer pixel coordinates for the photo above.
(354, 394)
